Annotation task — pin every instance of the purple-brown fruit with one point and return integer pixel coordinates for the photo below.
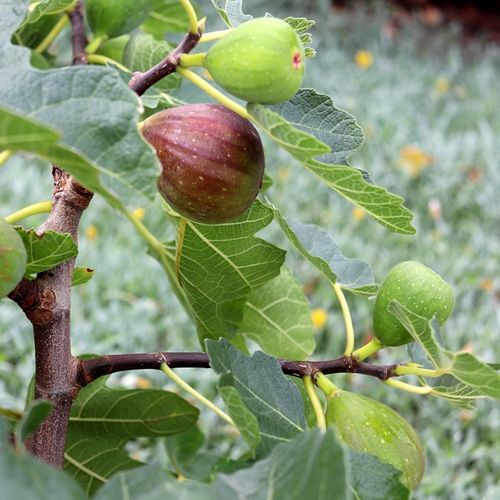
(212, 160)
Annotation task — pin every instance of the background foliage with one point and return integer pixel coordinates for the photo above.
(428, 106)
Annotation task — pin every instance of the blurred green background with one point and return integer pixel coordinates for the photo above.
(428, 102)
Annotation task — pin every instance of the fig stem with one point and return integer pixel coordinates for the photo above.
(52, 34)
(315, 402)
(155, 244)
(42, 207)
(191, 390)
(417, 370)
(326, 385)
(178, 249)
(103, 60)
(213, 92)
(213, 35)
(192, 17)
(349, 330)
(5, 155)
(190, 60)
(368, 349)
(414, 389)
(95, 43)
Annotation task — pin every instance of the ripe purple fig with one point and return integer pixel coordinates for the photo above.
(212, 160)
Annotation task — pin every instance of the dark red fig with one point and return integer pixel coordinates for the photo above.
(212, 160)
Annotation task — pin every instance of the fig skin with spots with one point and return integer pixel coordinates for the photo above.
(212, 161)
(419, 289)
(368, 426)
(260, 61)
(12, 258)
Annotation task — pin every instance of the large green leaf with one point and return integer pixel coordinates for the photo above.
(47, 8)
(231, 12)
(46, 251)
(420, 330)
(92, 461)
(143, 51)
(166, 16)
(103, 420)
(102, 411)
(469, 370)
(317, 246)
(268, 394)
(244, 419)
(17, 133)
(371, 479)
(277, 316)
(91, 108)
(310, 466)
(308, 126)
(24, 477)
(220, 265)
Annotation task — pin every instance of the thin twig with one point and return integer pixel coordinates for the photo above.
(91, 369)
(140, 82)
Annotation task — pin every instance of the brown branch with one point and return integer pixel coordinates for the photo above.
(140, 82)
(91, 369)
(78, 38)
(46, 302)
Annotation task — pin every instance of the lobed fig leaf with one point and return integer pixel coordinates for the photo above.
(12, 258)
(260, 61)
(368, 426)
(419, 289)
(112, 18)
(212, 160)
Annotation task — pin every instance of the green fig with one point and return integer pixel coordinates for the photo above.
(417, 288)
(114, 48)
(212, 160)
(12, 258)
(260, 61)
(111, 18)
(368, 426)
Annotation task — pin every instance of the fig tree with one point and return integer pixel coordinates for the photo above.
(110, 18)
(12, 258)
(368, 426)
(260, 61)
(417, 288)
(212, 160)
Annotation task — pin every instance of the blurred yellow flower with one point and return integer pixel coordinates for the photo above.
(442, 85)
(358, 213)
(91, 232)
(414, 160)
(364, 59)
(139, 213)
(319, 317)
(486, 285)
(143, 383)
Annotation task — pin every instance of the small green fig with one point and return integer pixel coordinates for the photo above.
(260, 61)
(111, 18)
(368, 426)
(114, 48)
(417, 288)
(212, 160)
(12, 258)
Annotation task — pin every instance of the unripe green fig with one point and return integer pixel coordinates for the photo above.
(12, 258)
(212, 160)
(368, 426)
(114, 48)
(417, 288)
(112, 18)
(260, 61)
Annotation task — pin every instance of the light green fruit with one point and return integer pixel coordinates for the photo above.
(260, 61)
(368, 426)
(12, 258)
(417, 288)
(112, 18)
